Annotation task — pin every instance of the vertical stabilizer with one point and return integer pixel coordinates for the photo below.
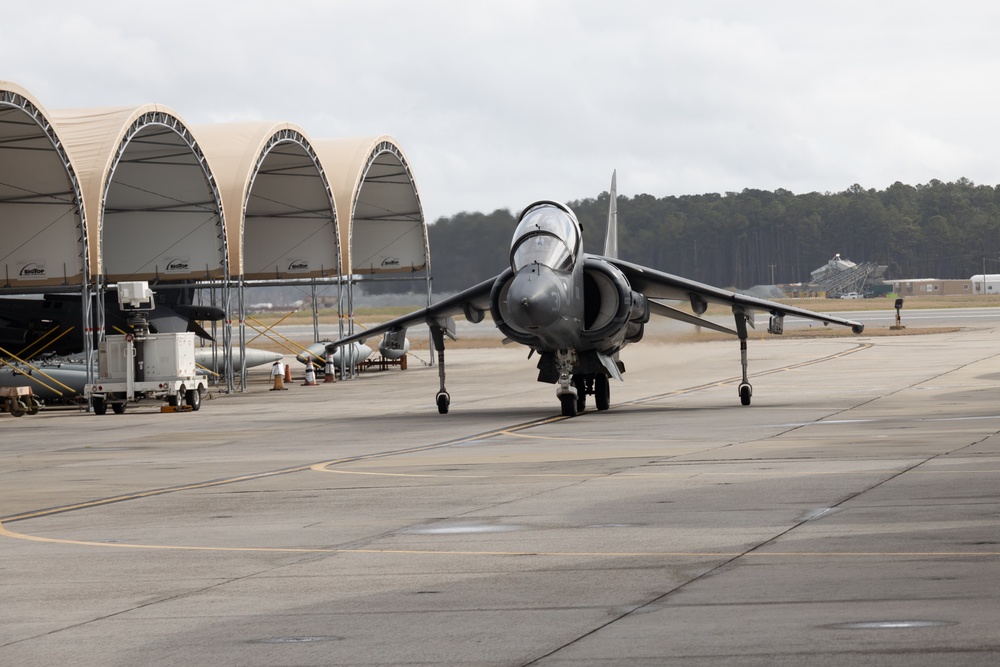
(611, 238)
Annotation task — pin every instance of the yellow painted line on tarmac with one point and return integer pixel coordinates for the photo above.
(36, 514)
(5, 532)
(570, 438)
(341, 471)
(149, 494)
(324, 467)
(321, 467)
(659, 475)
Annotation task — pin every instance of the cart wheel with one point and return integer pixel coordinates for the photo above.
(193, 398)
(34, 405)
(16, 407)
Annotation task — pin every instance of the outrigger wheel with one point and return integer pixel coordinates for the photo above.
(443, 401)
(440, 328)
(746, 391)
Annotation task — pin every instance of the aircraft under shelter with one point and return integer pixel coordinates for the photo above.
(90, 197)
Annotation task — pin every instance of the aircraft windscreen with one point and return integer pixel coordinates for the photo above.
(546, 235)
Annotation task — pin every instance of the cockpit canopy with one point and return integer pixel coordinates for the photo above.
(547, 234)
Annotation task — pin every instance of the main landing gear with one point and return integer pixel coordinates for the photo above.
(596, 385)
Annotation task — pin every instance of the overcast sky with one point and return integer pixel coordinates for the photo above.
(497, 104)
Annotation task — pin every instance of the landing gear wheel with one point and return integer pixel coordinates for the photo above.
(580, 384)
(443, 401)
(193, 398)
(118, 408)
(100, 406)
(602, 392)
(568, 402)
(745, 393)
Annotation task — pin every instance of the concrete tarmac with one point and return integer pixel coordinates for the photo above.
(848, 517)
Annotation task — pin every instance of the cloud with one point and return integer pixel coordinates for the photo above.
(496, 105)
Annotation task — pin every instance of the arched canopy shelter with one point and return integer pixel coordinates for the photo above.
(380, 212)
(43, 235)
(281, 219)
(152, 206)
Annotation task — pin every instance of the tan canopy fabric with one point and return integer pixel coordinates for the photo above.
(43, 235)
(131, 193)
(152, 207)
(281, 219)
(380, 212)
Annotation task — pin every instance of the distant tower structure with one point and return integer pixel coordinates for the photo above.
(842, 275)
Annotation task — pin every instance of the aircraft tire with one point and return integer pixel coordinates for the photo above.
(193, 398)
(443, 402)
(580, 383)
(568, 403)
(100, 406)
(602, 392)
(745, 393)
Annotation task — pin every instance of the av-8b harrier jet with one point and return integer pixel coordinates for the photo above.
(576, 310)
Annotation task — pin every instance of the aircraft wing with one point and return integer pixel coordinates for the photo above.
(658, 285)
(473, 302)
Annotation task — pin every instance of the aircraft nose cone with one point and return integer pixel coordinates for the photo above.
(533, 298)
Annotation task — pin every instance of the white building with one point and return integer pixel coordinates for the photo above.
(986, 284)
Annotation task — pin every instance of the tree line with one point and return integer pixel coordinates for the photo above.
(753, 237)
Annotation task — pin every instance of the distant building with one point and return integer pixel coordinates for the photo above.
(986, 284)
(934, 287)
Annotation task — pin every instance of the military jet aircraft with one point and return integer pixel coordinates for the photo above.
(577, 310)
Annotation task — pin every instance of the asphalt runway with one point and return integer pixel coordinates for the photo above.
(848, 517)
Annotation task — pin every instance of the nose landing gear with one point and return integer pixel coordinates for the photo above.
(566, 391)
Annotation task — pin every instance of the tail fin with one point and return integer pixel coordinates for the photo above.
(611, 238)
